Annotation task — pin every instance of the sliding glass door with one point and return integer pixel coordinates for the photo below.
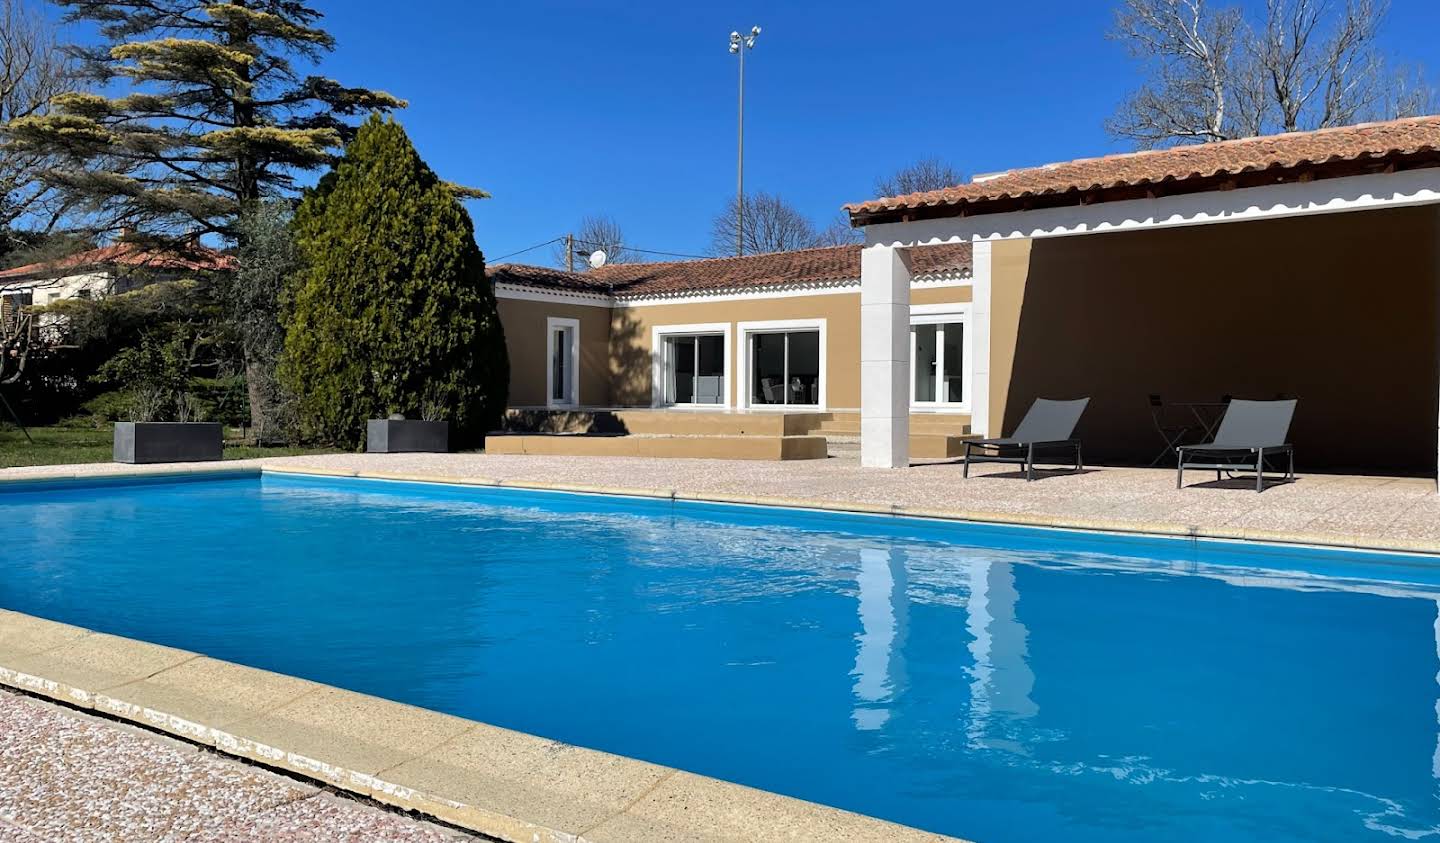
(694, 369)
(785, 368)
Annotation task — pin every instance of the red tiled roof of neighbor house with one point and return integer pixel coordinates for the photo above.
(775, 269)
(1245, 162)
(134, 255)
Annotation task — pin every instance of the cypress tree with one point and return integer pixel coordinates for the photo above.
(391, 312)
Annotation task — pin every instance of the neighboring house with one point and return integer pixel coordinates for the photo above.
(1305, 264)
(95, 273)
(775, 331)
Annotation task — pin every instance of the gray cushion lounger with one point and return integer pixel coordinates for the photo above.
(1250, 431)
(1048, 426)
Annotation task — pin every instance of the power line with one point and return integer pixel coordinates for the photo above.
(638, 249)
(593, 243)
(524, 250)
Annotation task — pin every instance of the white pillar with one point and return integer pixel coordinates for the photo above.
(884, 616)
(1435, 761)
(981, 263)
(884, 357)
(1001, 679)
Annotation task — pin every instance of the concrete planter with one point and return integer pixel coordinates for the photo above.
(152, 442)
(407, 436)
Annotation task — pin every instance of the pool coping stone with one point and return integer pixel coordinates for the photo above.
(504, 784)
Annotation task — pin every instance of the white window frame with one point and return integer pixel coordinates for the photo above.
(938, 314)
(744, 330)
(552, 323)
(657, 361)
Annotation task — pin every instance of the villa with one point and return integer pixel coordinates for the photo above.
(762, 334)
(95, 273)
(1302, 265)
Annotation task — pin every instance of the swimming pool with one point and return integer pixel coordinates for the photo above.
(988, 682)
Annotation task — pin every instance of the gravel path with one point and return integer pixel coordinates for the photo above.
(68, 776)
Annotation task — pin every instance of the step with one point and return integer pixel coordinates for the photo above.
(700, 423)
(938, 446)
(661, 422)
(956, 425)
(670, 447)
(923, 446)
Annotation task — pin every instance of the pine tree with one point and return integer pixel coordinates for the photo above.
(391, 312)
(212, 115)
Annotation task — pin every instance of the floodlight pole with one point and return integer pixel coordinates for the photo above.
(739, 45)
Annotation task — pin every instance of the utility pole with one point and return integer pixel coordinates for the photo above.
(570, 253)
(738, 46)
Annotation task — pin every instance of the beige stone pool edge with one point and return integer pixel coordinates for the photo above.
(501, 783)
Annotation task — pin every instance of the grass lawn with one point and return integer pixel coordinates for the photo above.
(68, 445)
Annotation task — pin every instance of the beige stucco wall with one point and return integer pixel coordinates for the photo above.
(1010, 269)
(1338, 311)
(525, 339)
(632, 330)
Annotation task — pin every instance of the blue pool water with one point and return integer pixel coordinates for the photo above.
(993, 683)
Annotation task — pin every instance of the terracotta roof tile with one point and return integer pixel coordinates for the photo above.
(803, 266)
(1395, 141)
(195, 259)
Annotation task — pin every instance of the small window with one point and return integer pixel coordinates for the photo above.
(938, 368)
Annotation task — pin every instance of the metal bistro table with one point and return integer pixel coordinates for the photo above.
(1208, 415)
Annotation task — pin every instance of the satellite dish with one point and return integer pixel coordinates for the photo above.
(597, 258)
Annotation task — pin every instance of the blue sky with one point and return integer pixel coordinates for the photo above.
(562, 109)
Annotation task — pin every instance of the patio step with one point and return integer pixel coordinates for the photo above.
(718, 423)
(923, 446)
(848, 424)
(649, 422)
(714, 447)
(938, 446)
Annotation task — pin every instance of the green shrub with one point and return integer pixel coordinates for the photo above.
(390, 311)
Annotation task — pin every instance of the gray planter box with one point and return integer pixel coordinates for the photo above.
(151, 442)
(407, 436)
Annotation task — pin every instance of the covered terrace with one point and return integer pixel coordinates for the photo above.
(1302, 265)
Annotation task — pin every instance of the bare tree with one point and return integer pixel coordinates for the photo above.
(839, 233)
(597, 232)
(925, 174)
(1212, 75)
(1189, 52)
(33, 69)
(771, 225)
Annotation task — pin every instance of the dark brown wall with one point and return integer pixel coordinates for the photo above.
(1337, 310)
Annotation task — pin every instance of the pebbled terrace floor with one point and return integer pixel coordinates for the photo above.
(65, 775)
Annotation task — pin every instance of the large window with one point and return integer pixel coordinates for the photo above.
(939, 368)
(694, 369)
(785, 368)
